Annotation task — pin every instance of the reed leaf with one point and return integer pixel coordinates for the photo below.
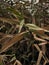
(21, 25)
(15, 39)
(35, 28)
(15, 12)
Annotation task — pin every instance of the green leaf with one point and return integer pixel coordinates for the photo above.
(16, 13)
(36, 28)
(21, 25)
(13, 58)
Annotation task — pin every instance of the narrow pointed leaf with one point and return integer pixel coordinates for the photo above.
(16, 13)
(36, 28)
(7, 20)
(15, 39)
(21, 25)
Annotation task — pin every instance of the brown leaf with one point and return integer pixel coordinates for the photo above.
(15, 39)
(7, 20)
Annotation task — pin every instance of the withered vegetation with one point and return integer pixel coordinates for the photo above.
(24, 32)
